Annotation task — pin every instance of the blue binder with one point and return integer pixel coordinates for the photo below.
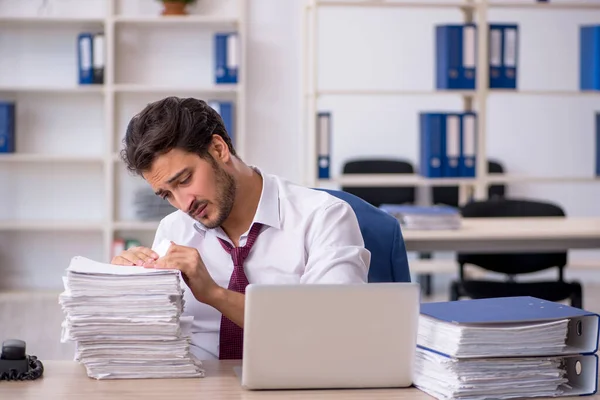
(583, 325)
(456, 56)
(323, 144)
(7, 127)
(226, 58)
(589, 54)
(452, 154)
(432, 142)
(226, 111)
(85, 58)
(598, 144)
(468, 151)
(495, 56)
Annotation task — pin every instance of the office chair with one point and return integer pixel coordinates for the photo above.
(449, 194)
(381, 195)
(383, 238)
(512, 264)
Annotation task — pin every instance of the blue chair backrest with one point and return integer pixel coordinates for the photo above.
(383, 238)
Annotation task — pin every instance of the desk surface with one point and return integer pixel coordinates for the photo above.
(67, 380)
(509, 234)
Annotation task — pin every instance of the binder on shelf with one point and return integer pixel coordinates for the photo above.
(510, 51)
(495, 56)
(589, 57)
(323, 142)
(85, 58)
(7, 127)
(452, 154)
(598, 144)
(456, 56)
(468, 153)
(226, 58)
(225, 110)
(502, 318)
(98, 58)
(432, 142)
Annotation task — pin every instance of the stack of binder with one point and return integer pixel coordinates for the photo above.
(506, 348)
(91, 58)
(448, 144)
(456, 55)
(424, 218)
(7, 127)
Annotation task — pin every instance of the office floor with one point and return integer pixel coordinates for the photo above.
(36, 318)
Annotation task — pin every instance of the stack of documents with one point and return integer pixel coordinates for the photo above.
(505, 348)
(126, 321)
(150, 207)
(425, 218)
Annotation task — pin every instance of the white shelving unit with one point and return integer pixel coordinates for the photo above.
(66, 184)
(476, 100)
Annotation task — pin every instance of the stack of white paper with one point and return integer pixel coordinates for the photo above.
(493, 340)
(438, 217)
(477, 379)
(126, 321)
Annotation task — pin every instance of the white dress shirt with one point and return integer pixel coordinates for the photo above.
(308, 236)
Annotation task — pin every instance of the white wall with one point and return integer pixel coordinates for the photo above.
(361, 48)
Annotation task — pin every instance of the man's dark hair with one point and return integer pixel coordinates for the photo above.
(171, 123)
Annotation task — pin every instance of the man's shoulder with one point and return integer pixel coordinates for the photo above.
(177, 220)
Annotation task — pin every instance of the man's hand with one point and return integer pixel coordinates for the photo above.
(135, 256)
(203, 287)
(194, 272)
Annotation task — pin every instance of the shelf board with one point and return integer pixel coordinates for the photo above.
(405, 4)
(382, 92)
(370, 180)
(383, 180)
(139, 88)
(49, 20)
(550, 5)
(51, 226)
(207, 20)
(54, 89)
(136, 225)
(48, 158)
(556, 93)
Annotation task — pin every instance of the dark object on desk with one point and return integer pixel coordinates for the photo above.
(384, 194)
(383, 238)
(15, 365)
(448, 195)
(512, 264)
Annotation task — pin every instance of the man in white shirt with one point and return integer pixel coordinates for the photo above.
(235, 224)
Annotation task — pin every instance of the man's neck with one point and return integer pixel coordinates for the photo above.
(247, 197)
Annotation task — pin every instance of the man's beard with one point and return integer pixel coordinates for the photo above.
(226, 189)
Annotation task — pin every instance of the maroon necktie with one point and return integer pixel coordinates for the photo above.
(231, 336)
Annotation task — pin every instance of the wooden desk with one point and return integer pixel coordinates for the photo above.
(484, 235)
(67, 380)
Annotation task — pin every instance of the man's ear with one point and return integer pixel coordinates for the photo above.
(220, 150)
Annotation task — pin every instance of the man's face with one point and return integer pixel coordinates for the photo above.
(197, 186)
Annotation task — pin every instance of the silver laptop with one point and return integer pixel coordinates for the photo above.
(330, 336)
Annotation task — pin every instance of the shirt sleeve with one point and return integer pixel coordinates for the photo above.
(335, 247)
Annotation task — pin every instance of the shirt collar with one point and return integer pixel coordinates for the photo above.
(267, 212)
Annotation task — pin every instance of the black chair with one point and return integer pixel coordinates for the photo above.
(513, 264)
(385, 194)
(449, 194)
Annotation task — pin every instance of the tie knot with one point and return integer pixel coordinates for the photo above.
(239, 254)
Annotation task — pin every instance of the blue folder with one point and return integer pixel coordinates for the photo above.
(85, 48)
(432, 142)
(7, 127)
(589, 57)
(455, 56)
(226, 111)
(583, 325)
(226, 58)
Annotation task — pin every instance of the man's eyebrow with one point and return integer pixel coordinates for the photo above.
(171, 180)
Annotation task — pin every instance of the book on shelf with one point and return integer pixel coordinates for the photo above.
(7, 127)
(506, 347)
(227, 113)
